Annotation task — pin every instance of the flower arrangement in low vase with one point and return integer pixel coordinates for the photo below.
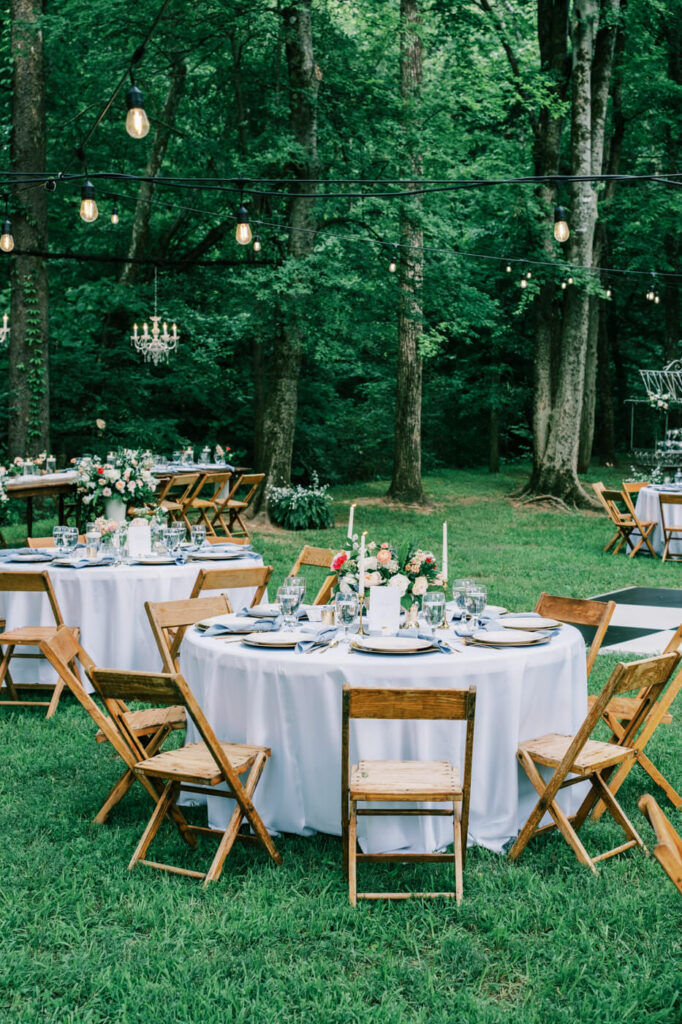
(412, 570)
(126, 476)
(16, 466)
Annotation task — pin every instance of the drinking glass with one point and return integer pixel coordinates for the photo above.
(51, 464)
(459, 588)
(198, 535)
(219, 459)
(346, 611)
(288, 601)
(176, 457)
(176, 535)
(433, 606)
(93, 539)
(296, 583)
(205, 456)
(69, 540)
(160, 538)
(58, 537)
(476, 598)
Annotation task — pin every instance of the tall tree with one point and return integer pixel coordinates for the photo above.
(281, 401)
(406, 484)
(29, 402)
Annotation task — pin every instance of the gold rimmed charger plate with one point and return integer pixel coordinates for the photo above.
(540, 642)
(275, 641)
(529, 623)
(365, 646)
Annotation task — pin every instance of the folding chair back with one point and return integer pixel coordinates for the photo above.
(48, 542)
(671, 531)
(668, 851)
(175, 491)
(633, 486)
(235, 504)
(621, 512)
(207, 497)
(234, 579)
(32, 583)
(403, 704)
(320, 558)
(170, 620)
(579, 612)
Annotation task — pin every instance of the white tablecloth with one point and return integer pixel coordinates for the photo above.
(648, 507)
(107, 603)
(292, 703)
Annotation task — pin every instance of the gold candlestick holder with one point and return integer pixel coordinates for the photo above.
(361, 609)
(445, 624)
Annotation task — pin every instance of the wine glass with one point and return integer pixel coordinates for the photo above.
(198, 535)
(296, 583)
(288, 601)
(58, 537)
(346, 611)
(476, 597)
(176, 535)
(459, 588)
(69, 540)
(433, 606)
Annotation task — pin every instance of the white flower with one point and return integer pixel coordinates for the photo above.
(106, 493)
(120, 486)
(420, 586)
(131, 486)
(399, 581)
(393, 565)
(370, 564)
(373, 579)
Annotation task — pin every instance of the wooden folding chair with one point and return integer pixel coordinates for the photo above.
(151, 727)
(668, 851)
(619, 715)
(29, 636)
(234, 579)
(170, 621)
(578, 612)
(206, 499)
(620, 510)
(175, 492)
(405, 781)
(190, 769)
(671, 531)
(235, 507)
(633, 486)
(48, 542)
(589, 760)
(322, 559)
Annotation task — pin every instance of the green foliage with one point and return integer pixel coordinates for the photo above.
(301, 508)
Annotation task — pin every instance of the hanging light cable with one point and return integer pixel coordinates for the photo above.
(6, 239)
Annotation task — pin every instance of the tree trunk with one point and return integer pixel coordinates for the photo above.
(29, 390)
(406, 484)
(494, 440)
(590, 388)
(281, 402)
(671, 299)
(606, 437)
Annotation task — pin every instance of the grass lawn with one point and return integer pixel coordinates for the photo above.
(87, 942)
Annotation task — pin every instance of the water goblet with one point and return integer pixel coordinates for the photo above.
(205, 456)
(198, 535)
(459, 589)
(433, 606)
(476, 597)
(176, 457)
(159, 533)
(296, 583)
(58, 537)
(69, 540)
(219, 459)
(346, 611)
(93, 539)
(288, 601)
(51, 464)
(176, 535)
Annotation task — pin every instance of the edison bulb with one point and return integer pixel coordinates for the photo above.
(529, 275)
(508, 268)
(523, 282)
(256, 244)
(89, 211)
(561, 232)
(6, 239)
(609, 293)
(657, 299)
(243, 233)
(137, 122)
(570, 280)
(564, 286)
(392, 267)
(114, 217)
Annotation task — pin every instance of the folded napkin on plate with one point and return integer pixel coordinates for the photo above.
(321, 640)
(86, 563)
(26, 555)
(301, 613)
(225, 628)
(218, 547)
(438, 643)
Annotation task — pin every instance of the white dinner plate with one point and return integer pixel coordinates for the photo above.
(213, 556)
(530, 622)
(505, 638)
(277, 639)
(153, 560)
(37, 557)
(391, 644)
(493, 610)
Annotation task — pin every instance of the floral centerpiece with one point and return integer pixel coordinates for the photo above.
(16, 466)
(126, 477)
(3, 477)
(412, 570)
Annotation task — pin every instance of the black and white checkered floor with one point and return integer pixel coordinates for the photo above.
(644, 621)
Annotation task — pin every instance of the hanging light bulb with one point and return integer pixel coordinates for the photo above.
(569, 280)
(256, 244)
(114, 215)
(508, 268)
(657, 298)
(89, 211)
(609, 292)
(6, 239)
(137, 122)
(564, 286)
(243, 233)
(528, 275)
(561, 231)
(523, 283)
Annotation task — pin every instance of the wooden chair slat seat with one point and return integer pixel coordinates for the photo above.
(195, 763)
(147, 720)
(398, 780)
(29, 635)
(550, 750)
(668, 851)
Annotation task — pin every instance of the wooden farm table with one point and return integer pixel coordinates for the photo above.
(50, 485)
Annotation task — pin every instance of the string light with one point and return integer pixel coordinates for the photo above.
(6, 239)
(569, 280)
(257, 244)
(89, 211)
(243, 232)
(609, 292)
(114, 215)
(657, 297)
(523, 283)
(393, 265)
(529, 275)
(564, 285)
(137, 122)
(4, 330)
(508, 268)
(561, 230)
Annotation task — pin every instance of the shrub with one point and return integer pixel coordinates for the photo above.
(301, 508)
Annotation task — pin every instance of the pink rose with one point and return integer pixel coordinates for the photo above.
(339, 560)
(106, 493)
(384, 555)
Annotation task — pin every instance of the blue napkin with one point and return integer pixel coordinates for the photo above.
(15, 555)
(301, 613)
(321, 640)
(224, 629)
(425, 636)
(219, 547)
(86, 563)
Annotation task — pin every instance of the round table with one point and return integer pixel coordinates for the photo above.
(292, 703)
(107, 603)
(648, 507)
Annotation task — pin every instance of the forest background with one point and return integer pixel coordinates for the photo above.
(304, 336)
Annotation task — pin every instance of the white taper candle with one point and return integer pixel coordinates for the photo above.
(361, 568)
(445, 552)
(351, 516)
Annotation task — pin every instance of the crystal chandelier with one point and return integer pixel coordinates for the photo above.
(4, 330)
(155, 345)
